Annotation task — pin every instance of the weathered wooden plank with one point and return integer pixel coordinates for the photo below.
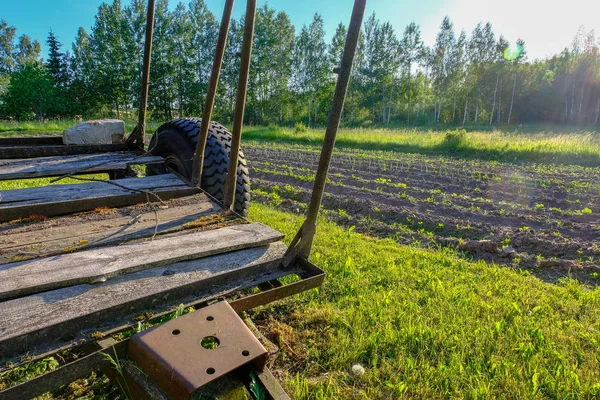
(62, 199)
(88, 266)
(81, 191)
(32, 151)
(63, 313)
(84, 231)
(31, 141)
(56, 166)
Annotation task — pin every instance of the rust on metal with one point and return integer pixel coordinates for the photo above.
(184, 354)
(302, 243)
(240, 103)
(211, 93)
(311, 277)
(137, 136)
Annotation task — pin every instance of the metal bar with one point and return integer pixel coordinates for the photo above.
(311, 275)
(211, 93)
(140, 131)
(65, 374)
(306, 232)
(240, 104)
(272, 386)
(14, 152)
(31, 141)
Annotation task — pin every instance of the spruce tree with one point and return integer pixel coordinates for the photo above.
(56, 63)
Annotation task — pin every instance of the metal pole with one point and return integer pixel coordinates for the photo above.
(302, 243)
(211, 93)
(140, 131)
(240, 103)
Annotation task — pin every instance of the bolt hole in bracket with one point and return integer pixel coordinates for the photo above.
(188, 352)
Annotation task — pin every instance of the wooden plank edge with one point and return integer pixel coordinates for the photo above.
(59, 150)
(210, 287)
(182, 245)
(31, 141)
(302, 269)
(98, 237)
(101, 167)
(81, 205)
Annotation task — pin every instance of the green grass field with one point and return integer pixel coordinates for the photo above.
(429, 324)
(524, 144)
(581, 148)
(423, 323)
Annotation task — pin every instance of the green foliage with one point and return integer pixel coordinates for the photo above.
(299, 127)
(27, 371)
(477, 78)
(57, 62)
(30, 94)
(453, 140)
(428, 324)
(577, 148)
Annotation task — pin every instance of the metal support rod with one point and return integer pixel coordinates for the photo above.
(240, 104)
(302, 243)
(211, 93)
(139, 133)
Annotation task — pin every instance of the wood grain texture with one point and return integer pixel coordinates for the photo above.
(56, 166)
(88, 266)
(100, 228)
(61, 199)
(44, 149)
(33, 320)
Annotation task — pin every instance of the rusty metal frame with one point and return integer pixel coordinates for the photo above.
(184, 354)
(240, 103)
(302, 243)
(91, 356)
(137, 136)
(300, 248)
(211, 93)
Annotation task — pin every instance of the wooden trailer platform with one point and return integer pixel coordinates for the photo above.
(82, 265)
(80, 262)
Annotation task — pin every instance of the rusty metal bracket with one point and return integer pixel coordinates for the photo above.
(186, 353)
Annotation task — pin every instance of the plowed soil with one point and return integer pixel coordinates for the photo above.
(540, 218)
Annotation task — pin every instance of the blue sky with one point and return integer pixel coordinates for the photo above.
(547, 26)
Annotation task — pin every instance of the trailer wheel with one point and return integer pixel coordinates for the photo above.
(176, 141)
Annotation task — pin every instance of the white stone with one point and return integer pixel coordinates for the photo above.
(104, 131)
(358, 369)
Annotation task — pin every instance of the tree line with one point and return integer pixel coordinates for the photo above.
(462, 78)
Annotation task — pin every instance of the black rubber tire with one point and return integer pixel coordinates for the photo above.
(177, 141)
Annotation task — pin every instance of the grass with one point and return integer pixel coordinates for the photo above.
(423, 323)
(428, 324)
(524, 144)
(580, 148)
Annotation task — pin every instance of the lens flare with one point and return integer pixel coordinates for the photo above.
(513, 52)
